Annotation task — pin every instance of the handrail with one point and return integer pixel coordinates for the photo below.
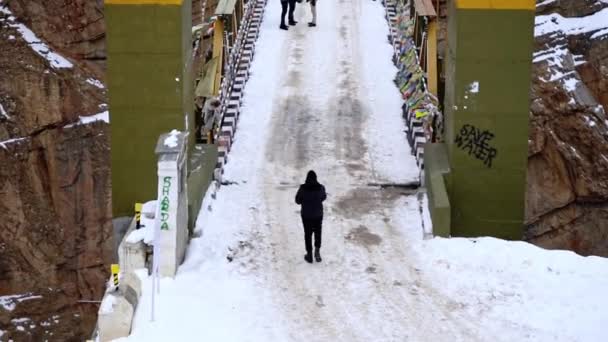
(233, 61)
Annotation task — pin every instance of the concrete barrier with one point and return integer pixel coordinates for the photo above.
(131, 255)
(172, 203)
(115, 317)
(118, 306)
(437, 170)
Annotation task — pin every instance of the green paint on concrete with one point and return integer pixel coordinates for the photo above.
(202, 165)
(486, 110)
(150, 86)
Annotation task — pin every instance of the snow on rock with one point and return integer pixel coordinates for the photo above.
(554, 55)
(4, 144)
(96, 83)
(171, 140)
(83, 120)
(589, 121)
(56, 60)
(20, 320)
(570, 84)
(601, 33)
(545, 2)
(555, 23)
(10, 302)
(3, 112)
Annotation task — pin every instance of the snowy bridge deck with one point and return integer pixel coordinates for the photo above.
(323, 99)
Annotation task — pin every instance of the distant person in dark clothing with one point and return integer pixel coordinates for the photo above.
(313, 10)
(310, 196)
(283, 13)
(292, 8)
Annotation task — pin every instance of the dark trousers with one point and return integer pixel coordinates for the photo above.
(292, 7)
(283, 12)
(312, 227)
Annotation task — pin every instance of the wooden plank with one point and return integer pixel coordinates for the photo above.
(218, 52)
(425, 8)
(431, 59)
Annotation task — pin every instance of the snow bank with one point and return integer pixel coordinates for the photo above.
(390, 152)
(149, 208)
(107, 305)
(145, 233)
(557, 292)
(554, 295)
(56, 60)
(171, 140)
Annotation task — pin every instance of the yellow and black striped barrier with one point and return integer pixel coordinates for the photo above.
(138, 207)
(115, 271)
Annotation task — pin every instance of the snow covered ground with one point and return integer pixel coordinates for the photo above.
(323, 99)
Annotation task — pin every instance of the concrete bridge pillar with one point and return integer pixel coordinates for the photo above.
(486, 111)
(150, 84)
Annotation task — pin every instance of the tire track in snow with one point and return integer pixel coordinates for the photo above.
(360, 292)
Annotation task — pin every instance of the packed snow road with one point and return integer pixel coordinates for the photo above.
(322, 98)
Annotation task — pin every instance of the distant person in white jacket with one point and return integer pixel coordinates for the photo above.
(313, 9)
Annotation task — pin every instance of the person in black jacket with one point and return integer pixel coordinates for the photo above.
(292, 8)
(284, 4)
(310, 196)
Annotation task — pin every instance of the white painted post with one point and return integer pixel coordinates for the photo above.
(172, 202)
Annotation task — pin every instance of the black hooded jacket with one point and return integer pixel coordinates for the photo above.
(311, 195)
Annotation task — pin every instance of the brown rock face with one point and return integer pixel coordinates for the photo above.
(74, 27)
(55, 206)
(567, 200)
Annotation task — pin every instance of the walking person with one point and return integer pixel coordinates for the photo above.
(310, 196)
(283, 13)
(313, 10)
(292, 8)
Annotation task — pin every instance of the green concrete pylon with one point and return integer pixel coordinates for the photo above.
(486, 109)
(150, 88)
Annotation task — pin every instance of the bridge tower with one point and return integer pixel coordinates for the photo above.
(150, 82)
(476, 180)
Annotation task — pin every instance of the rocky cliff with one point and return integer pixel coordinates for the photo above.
(76, 27)
(567, 200)
(55, 207)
